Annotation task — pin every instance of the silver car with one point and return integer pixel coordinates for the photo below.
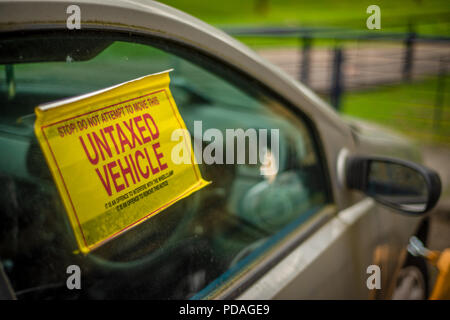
(346, 199)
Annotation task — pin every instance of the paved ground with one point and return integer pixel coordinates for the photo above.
(364, 65)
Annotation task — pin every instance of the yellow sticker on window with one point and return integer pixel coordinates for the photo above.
(110, 156)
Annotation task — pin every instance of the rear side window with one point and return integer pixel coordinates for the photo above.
(190, 250)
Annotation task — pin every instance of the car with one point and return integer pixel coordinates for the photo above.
(345, 200)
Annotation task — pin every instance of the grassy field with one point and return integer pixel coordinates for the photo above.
(428, 16)
(406, 107)
(409, 108)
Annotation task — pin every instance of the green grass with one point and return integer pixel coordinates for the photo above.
(408, 108)
(428, 16)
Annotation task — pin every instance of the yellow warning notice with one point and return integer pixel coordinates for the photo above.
(110, 156)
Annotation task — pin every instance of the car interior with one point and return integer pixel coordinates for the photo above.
(191, 248)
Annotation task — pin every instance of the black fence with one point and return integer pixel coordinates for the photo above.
(356, 60)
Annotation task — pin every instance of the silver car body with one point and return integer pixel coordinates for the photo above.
(329, 257)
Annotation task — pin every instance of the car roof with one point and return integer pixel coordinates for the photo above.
(157, 19)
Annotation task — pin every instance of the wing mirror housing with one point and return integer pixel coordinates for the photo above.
(402, 185)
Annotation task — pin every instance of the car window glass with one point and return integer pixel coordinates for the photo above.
(190, 249)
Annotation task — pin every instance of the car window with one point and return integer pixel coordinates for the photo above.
(191, 249)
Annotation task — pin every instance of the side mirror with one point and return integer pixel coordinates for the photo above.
(401, 185)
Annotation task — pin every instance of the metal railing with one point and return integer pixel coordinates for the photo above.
(412, 56)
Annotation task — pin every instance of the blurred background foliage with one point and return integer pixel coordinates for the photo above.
(418, 107)
(427, 16)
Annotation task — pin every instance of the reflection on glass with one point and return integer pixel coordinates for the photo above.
(397, 185)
